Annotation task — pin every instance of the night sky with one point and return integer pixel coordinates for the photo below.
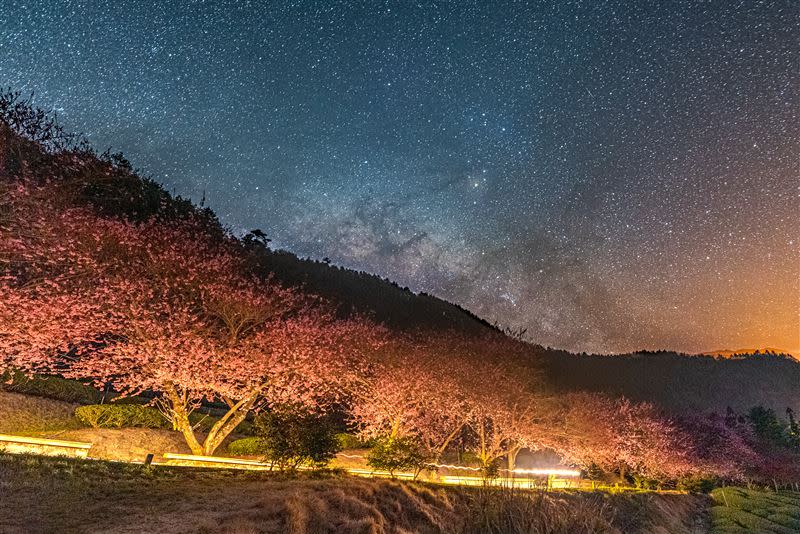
(610, 175)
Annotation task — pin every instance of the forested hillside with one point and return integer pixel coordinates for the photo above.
(681, 382)
(33, 144)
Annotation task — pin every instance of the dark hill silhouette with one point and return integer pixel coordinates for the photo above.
(681, 382)
(357, 291)
(34, 147)
(737, 353)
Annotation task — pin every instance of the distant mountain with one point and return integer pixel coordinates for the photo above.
(681, 382)
(738, 353)
(108, 184)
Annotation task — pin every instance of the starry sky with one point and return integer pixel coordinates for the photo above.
(609, 175)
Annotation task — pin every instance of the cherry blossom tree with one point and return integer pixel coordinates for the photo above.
(719, 449)
(619, 435)
(194, 328)
(162, 307)
(50, 291)
(413, 390)
(510, 408)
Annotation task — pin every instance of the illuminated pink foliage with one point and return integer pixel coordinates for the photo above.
(163, 308)
(620, 435)
(414, 389)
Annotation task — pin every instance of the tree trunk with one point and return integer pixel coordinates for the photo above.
(180, 418)
(443, 446)
(228, 422)
(512, 461)
(394, 432)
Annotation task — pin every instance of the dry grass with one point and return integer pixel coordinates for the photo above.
(58, 495)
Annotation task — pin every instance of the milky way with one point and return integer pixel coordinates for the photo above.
(609, 175)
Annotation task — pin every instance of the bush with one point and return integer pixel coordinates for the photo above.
(697, 484)
(594, 472)
(351, 441)
(392, 454)
(491, 471)
(120, 416)
(646, 483)
(52, 387)
(291, 436)
(251, 446)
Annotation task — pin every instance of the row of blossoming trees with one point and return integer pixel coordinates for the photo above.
(171, 306)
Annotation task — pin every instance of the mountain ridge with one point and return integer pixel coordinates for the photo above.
(108, 184)
(734, 353)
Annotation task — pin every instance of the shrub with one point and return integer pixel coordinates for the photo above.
(351, 441)
(120, 416)
(594, 472)
(291, 436)
(697, 484)
(52, 387)
(392, 454)
(491, 471)
(645, 482)
(251, 446)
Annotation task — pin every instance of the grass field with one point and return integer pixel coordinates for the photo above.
(740, 510)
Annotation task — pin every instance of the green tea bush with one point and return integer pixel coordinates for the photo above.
(120, 416)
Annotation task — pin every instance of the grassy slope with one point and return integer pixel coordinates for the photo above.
(40, 494)
(739, 510)
(27, 415)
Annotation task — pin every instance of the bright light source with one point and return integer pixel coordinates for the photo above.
(47, 447)
(549, 472)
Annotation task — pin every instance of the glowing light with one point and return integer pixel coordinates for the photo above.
(47, 447)
(77, 449)
(214, 461)
(549, 472)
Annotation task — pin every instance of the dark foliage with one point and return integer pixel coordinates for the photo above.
(290, 436)
(679, 382)
(52, 387)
